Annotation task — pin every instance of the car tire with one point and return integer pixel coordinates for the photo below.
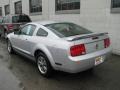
(9, 47)
(44, 65)
(91, 69)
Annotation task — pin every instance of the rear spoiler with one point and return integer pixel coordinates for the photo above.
(94, 36)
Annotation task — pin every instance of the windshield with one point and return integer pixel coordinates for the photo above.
(67, 29)
(20, 19)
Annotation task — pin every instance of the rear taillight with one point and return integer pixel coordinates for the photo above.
(106, 42)
(10, 26)
(77, 50)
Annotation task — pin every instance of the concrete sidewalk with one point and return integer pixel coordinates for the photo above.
(8, 81)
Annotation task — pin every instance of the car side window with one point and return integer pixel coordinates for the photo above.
(28, 30)
(0, 21)
(4, 19)
(42, 32)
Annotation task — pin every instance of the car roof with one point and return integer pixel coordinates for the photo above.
(46, 22)
(15, 15)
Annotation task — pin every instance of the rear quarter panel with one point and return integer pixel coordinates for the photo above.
(55, 49)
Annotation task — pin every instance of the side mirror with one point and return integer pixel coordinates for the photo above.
(17, 32)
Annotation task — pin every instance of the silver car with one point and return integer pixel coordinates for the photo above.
(61, 46)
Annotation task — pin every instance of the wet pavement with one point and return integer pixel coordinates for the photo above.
(8, 81)
(103, 77)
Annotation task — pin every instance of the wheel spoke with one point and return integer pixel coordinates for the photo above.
(45, 68)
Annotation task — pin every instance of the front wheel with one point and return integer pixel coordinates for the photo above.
(44, 65)
(9, 47)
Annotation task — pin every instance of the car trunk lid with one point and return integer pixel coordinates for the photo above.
(93, 42)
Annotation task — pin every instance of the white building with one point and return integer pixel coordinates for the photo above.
(96, 15)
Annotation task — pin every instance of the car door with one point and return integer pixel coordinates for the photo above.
(18, 39)
(29, 41)
(22, 41)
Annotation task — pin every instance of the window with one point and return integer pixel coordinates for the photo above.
(68, 6)
(35, 6)
(67, 29)
(115, 6)
(7, 9)
(28, 30)
(41, 32)
(18, 7)
(0, 11)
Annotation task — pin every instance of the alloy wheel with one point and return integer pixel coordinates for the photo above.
(42, 64)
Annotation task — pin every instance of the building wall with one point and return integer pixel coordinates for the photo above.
(94, 14)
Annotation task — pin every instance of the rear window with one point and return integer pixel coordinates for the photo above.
(67, 29)
(20, 19)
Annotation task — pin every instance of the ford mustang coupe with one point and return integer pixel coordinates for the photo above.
(61, 46)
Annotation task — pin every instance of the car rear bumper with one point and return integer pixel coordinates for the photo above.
(81, 63)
